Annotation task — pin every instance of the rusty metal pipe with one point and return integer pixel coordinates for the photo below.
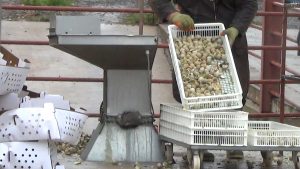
(276, 94)
(280, 14)
(161, 81)
(276, 64)
(256, 26)
(271, 47)
(266, 115)
(287, 68)
(163, 45)
(282, 70)
(287, 37)
(74, 8)
(141, 21)
(78, 79)
(254, 54)
(123, 10)
(24, 42)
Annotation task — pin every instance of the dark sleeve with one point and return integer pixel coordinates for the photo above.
(163, 8)
(246, 12)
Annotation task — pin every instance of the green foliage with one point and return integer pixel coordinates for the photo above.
(133, 19)
(48, 2)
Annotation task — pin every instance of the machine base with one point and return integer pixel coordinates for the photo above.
(110, 143)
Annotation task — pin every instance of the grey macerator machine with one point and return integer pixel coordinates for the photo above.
(125, 131)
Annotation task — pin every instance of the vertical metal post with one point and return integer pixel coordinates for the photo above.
(269, 71)
(141, 22)
(0, 21)
(283, 61)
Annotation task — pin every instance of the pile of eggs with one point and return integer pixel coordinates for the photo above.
(202, 62)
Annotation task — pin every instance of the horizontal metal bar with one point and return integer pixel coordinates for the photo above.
(78, 79)
(263, 115)
(162, 81)
(291, 102)
(101, 9)
(290, 14)
(292, 77)
(269, 47)
(290, 70)
(254, 54)
(266, 47)
(256, 26)
(287, 37)
(24, 42)
(74, 8)
(163, 45)
(276, 64)
(282, 5)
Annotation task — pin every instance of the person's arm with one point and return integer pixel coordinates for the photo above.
(163, 8)
(166, 11)
(246, 11)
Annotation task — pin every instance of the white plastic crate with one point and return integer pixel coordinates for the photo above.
(203, 128)
(24, 124)
(57, 100)
(9, 101)
(12, 79)
(174, 113)
(46, 123)
(230, 100)
(269, 133)
(25, 155)
(70, 125)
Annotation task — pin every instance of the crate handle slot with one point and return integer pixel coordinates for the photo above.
(14, 118)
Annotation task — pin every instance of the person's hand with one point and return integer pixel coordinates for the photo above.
(232, 33)
(182, 21)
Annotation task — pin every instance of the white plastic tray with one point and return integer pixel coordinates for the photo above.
(269, 133)
(46, 123)
(203, 128)
(174, 113)
(25, 155)
(12, 79)
(24, 124)
(231, 100)
(57, 100)
(70, 125)
(9, 101)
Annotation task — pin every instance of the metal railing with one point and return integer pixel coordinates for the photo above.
(141, 10)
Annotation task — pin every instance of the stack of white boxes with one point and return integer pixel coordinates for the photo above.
(205, 120)
(30, 126)
(213, 120)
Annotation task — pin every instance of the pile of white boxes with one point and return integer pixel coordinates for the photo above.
(29, 127)
(213, 120)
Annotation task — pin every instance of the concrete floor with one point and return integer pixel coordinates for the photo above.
(48, 61)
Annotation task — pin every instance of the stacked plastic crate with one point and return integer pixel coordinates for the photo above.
(29, 127)
(212, 119)
(209, 119)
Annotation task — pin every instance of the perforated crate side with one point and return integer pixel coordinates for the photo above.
(25, 124)
(70, 125)
(207, 103)
(220, 137)
(266, 133)
(12, 79)
(197, 120)
(25, 155)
